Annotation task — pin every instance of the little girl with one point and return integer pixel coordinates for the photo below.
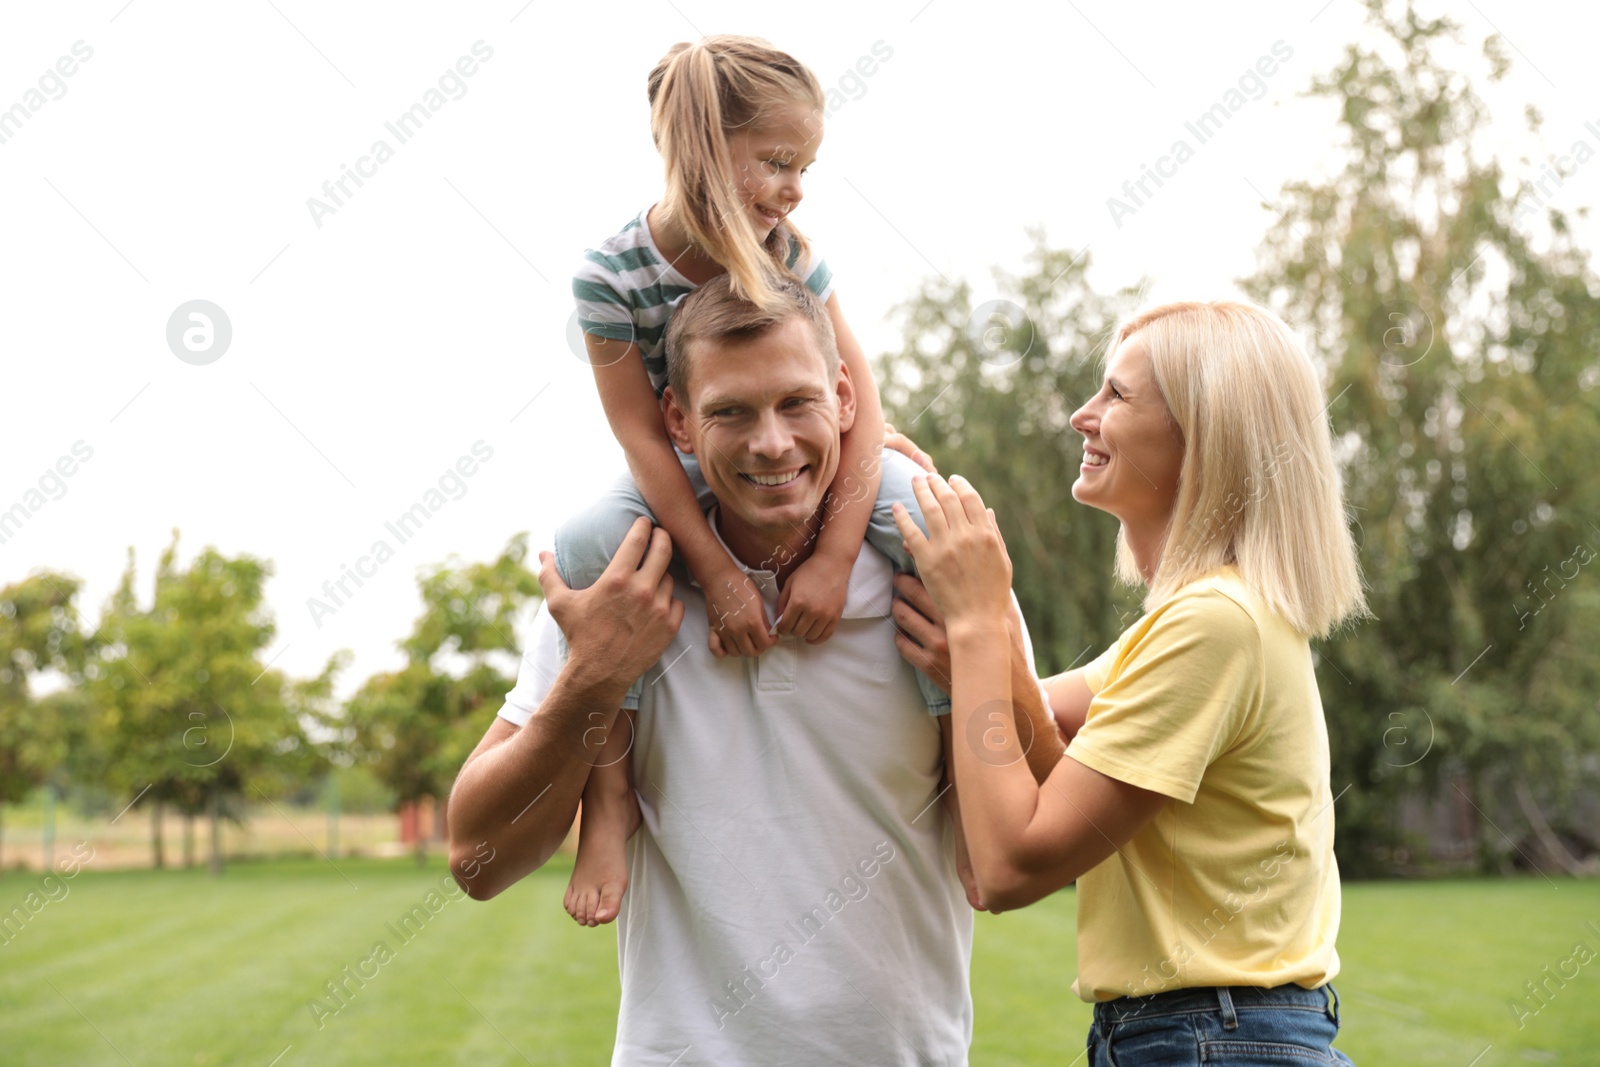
(737, 123)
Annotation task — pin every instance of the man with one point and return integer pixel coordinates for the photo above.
(792, 894)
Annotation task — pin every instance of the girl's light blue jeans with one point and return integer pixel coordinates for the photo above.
(585, 544)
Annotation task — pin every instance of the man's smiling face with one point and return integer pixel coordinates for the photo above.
(764, 416)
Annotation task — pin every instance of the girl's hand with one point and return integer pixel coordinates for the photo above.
(737, 616)
(813, 599)
(962, 560)
(904, 445)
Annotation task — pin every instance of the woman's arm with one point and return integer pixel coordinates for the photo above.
(634, 412)
(1026, 839)
(923, 643)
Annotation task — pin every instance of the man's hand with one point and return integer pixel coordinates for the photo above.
(619, 626)
(813, 598)
(738, 618)
(920, 635)
(925, 644)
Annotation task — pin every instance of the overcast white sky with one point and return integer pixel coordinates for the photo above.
(429, 312)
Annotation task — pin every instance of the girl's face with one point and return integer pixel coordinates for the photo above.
(769, 161)
(1132, 450)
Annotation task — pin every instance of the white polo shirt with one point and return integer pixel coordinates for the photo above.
(792, 892)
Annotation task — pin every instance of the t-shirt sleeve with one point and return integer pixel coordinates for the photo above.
(1179, 694)
(602, 309)
(1094, 675)
(811, 269)
(536, 671)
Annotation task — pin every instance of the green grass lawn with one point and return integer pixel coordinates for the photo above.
(172, 968)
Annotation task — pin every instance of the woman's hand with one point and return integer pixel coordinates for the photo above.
(962, 560)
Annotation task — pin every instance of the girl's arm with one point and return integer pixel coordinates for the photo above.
(813, 597)
(634, 412)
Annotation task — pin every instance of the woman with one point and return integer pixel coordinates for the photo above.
(1193, 805)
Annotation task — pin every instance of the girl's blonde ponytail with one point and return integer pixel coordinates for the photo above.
(698, 94)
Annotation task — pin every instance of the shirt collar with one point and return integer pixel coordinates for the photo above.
(869, 592)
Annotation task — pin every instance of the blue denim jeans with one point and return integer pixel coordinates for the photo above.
(586, 542)
(1229, 1026)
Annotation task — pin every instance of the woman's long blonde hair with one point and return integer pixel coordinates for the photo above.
(699, 93)
(1258, 486)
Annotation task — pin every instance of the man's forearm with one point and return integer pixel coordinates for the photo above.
(521, 796)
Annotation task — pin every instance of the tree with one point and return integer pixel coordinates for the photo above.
(188, 715)
(1458, 324)
(39, 631)
(416, 726)
(987, 392)
(1461, 340)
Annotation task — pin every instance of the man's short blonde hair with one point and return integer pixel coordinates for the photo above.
(714, 313)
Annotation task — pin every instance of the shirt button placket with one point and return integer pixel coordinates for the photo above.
(775, 667)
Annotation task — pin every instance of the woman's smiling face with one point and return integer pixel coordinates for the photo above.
(1132, 449)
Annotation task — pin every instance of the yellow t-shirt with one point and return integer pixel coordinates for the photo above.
(1211, 700)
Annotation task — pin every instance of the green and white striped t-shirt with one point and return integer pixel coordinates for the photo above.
(626, 291)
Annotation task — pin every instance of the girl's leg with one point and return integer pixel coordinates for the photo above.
(610, 815)
(585, 543)
(882, 534)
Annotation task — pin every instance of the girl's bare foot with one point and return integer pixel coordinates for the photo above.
(600, 875)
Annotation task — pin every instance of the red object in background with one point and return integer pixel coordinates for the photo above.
(424, 817)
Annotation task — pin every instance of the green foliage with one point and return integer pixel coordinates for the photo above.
(187, 713)
(988, 396)
(361, 793)
(39, 631)
(1461, 359)
(1462, 356)
(416, 726)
